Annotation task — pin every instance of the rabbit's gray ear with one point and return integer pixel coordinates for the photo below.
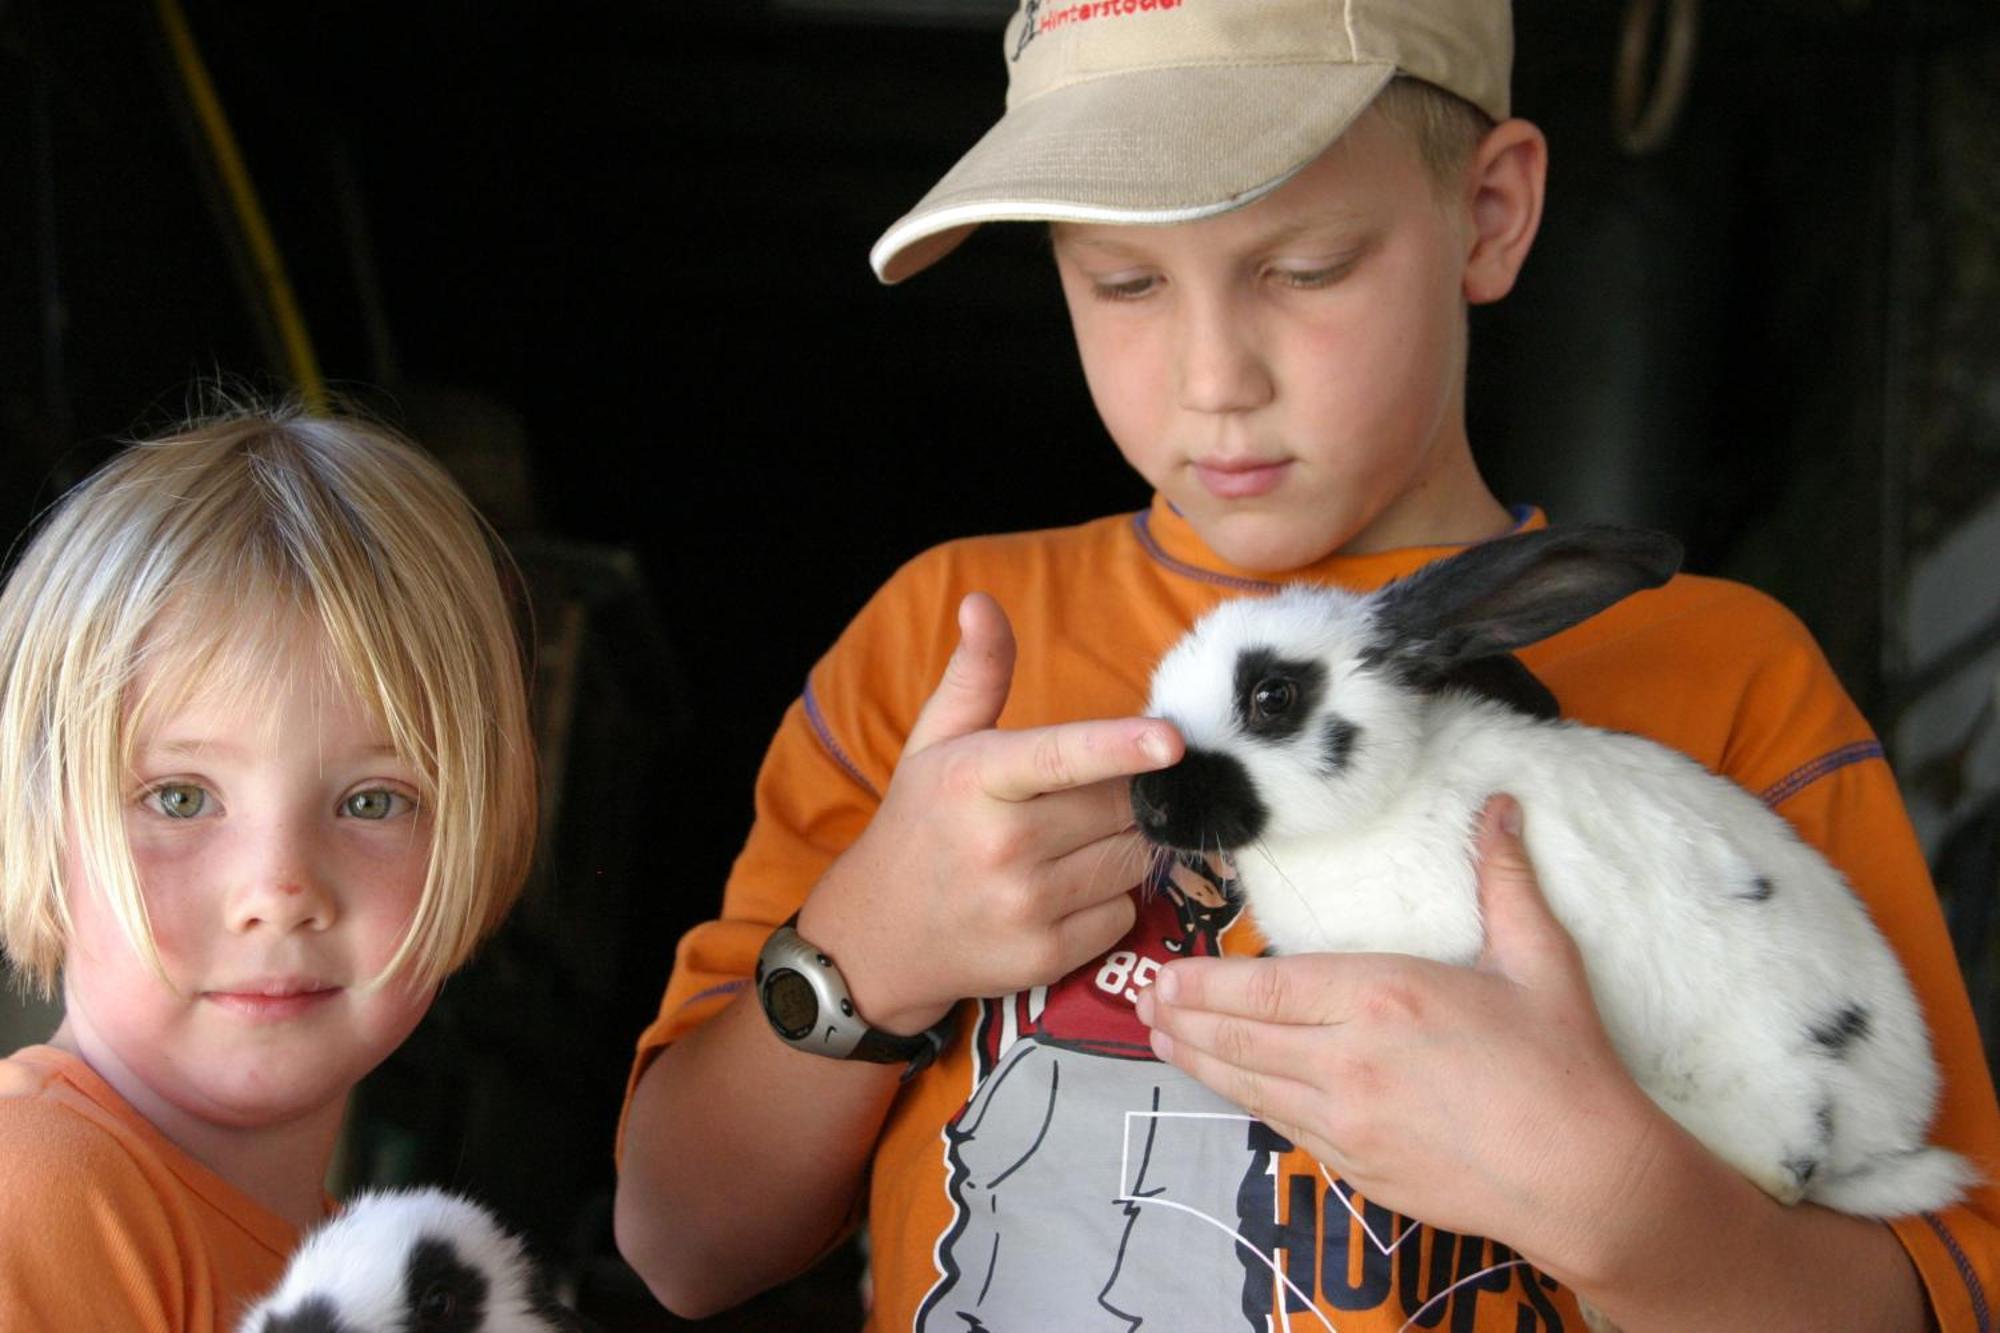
(1514, 591)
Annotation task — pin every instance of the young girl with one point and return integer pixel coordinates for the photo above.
(264, 739)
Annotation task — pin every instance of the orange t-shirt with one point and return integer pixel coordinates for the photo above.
(1046, 1172)
(107, 1224)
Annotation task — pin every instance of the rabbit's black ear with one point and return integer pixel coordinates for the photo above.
(1505, 594)
(1505, 680)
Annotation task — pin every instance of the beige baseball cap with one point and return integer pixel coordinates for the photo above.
(1162, 111)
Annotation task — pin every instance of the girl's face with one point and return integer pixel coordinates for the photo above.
(281, 853)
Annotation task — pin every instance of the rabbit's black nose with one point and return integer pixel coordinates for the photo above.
(1207, 802)
(1149, 805)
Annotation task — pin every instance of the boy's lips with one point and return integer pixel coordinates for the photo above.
(272, 998)
(1239, 478)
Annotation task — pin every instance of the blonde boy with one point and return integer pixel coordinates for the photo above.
(1267, 247)
(264, 737)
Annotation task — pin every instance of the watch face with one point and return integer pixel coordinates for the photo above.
(791, 1004)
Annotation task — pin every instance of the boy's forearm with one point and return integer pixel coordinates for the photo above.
(1693, 1244)
(742, 1160)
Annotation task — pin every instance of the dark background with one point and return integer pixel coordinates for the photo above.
(609, 258)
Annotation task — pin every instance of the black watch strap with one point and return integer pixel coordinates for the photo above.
(887, 1048)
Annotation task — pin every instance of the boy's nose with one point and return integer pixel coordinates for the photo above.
(1222, 366)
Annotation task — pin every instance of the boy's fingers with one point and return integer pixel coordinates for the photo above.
(1244, 1044)
(1273, 1094)
(1310, 989)
(1096, 871)
(1521, 932)
(1021, 765)
(974, 686)
(1089, 931)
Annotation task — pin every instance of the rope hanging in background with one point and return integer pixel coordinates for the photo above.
(268, 264)
(1644, 112)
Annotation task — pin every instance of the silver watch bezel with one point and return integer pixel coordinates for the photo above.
(838, 1029)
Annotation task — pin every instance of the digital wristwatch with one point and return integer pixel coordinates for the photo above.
(806, 1001)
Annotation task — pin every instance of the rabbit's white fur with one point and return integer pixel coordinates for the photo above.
(355, 1267)
(1738, 976)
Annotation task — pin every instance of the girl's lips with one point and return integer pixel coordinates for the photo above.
(256, 1004)
(1240, 480)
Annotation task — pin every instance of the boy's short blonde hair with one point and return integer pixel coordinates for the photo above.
(191, 561)
(1445, 127)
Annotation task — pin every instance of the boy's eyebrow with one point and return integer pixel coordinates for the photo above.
(1312, 227)
(1319, 224)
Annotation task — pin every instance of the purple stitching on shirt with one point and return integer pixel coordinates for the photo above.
(1808, 773)
(825, 734)
(721, 988)
(1965, 1271)
(1520, 513)
(1142, 528)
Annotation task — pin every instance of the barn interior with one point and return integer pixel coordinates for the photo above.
(608, 260)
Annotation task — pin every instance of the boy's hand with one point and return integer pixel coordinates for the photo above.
(1483, 1099)
(998, 859)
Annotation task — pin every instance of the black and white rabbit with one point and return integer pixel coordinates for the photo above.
(1341, 748)
(410, 1261)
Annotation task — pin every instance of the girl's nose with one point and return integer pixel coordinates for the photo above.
(1222, 367)
(279, 888)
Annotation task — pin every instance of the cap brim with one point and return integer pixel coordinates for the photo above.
(1149, 147)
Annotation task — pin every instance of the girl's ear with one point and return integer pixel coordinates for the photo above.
(1504, 183)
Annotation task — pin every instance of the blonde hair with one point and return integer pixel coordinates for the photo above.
(158, 564)
(1445, 127)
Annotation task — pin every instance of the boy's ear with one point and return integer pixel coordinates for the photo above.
(1504, 186)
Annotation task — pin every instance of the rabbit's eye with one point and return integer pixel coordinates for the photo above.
(438, 1302)
(1272, 698)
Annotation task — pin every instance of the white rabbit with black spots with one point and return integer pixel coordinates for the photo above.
(411, 1261)
(1341, 747)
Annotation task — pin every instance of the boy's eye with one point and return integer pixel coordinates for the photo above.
(1130, 289)
(376, 803)
(1307, 279)
(178, 800)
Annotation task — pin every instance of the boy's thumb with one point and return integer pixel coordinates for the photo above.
(1522, 936)
(974, 687)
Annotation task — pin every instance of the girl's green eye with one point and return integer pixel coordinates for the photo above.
(180, 800)
(376, 804)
